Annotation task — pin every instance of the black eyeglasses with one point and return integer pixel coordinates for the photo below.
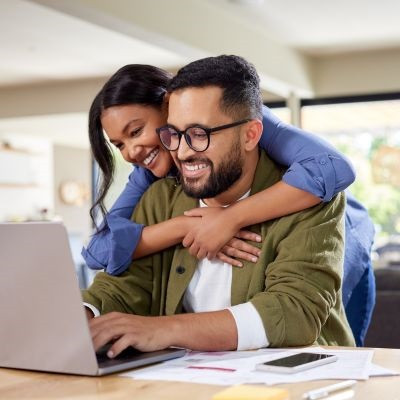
(197, 137)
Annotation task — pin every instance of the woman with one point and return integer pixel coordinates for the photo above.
(129, 108)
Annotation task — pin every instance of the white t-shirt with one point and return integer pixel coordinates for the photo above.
(210, 290)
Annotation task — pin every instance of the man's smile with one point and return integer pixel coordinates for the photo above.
(194, 169)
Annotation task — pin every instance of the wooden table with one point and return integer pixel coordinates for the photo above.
(21, 385)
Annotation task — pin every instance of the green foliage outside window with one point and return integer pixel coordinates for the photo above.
(382, 199)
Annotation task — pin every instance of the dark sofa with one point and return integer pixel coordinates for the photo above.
(384, 330)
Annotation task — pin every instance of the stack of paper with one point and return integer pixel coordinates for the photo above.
(229, 368)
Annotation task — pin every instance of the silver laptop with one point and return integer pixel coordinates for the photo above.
(43, 325)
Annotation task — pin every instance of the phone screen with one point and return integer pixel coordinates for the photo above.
(297, 359)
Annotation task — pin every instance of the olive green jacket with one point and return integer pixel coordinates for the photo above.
(295, 285)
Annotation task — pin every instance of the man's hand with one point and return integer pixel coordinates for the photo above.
(142, 333)
(207, 331)
(217, 236)
(89, 313)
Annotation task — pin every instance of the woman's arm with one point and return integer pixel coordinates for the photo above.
(274, 202)
(171, 232)
(316, 172)
(122, 240)
(313, 164)
(162, 235)
(112, 247)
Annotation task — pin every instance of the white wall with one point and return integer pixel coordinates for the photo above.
(357, 73)
(25, 178)
(72, 164)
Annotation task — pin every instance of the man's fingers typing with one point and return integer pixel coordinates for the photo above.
(106, 335)
(121, 344)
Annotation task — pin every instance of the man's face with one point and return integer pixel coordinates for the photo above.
(209, 173)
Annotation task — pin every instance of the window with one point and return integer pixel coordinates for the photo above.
(368, 132)
(280, 109)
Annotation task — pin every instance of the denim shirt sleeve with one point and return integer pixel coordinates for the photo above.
(112, 247)
(313, 165)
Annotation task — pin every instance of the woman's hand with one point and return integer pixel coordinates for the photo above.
(217, 236)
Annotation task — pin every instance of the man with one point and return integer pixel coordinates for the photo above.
(290, 297)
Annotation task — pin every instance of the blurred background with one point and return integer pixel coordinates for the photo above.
(329, 67)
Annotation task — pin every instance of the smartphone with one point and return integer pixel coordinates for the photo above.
(296, 363)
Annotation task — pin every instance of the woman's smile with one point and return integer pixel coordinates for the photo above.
(151, 158)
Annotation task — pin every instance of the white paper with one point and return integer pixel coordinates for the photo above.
(184, 369)
(229, 368)
(196, 357)
(377, 370)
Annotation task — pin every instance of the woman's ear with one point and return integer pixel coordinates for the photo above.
(254, 129)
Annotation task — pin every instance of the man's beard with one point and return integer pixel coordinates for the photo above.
(220, 180)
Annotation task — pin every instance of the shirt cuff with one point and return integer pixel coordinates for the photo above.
(251, 332)
(123, 238)
(93, 309)
(113, 247)
(91, 261)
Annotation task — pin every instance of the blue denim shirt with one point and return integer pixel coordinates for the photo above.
(313, 165)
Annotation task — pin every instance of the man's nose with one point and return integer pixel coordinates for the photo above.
(184, 151)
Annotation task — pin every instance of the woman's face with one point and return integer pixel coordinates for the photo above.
(132, 129)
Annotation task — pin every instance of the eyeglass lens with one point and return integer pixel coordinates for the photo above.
(196, 138)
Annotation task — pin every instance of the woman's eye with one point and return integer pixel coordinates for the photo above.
(136, 132)
(119, 146)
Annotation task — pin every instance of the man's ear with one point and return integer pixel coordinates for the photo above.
(166, 97)
(164, 106)
(254, 129)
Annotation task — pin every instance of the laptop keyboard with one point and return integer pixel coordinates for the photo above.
(133, 358)
(127, 355)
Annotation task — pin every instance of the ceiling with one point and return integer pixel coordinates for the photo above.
(323, 27)
(41, 44)
(45, 41)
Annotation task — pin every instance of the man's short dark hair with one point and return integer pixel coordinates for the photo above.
(237, 77)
